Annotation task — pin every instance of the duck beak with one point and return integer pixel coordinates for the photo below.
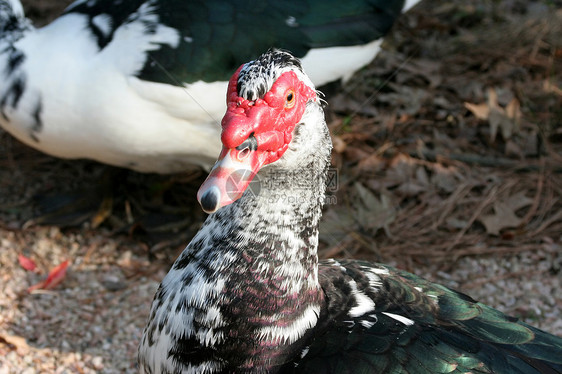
(230, 178)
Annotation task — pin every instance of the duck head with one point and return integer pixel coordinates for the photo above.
(266, 99)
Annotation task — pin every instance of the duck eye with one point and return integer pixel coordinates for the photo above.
(290, 99)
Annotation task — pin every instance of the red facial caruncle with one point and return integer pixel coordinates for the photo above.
(254, 134)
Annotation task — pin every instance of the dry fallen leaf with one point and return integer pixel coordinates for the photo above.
(504, 213)
(480, 111)
(445, 178)
(27, 263)
(55, 277)
(407, 175)
(15, 342)
(409, 99)
(371, 212)
(506, 120)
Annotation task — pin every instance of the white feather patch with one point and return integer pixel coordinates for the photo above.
(314, 63)
(367, 324)
(364, 302)
(399, 318)
(291, 333)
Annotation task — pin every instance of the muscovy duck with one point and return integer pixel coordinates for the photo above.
(248, 294)
(139, 83)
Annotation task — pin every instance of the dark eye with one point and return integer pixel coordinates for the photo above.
(290, 99)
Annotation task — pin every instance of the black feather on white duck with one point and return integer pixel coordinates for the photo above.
(248, 294)
(140, 83)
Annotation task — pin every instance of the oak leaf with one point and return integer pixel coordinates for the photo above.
(504, 213)
(504, 119)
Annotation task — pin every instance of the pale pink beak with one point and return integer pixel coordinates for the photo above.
(229, 178)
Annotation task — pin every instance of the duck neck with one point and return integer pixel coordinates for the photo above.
(251, 273)
(277, 226)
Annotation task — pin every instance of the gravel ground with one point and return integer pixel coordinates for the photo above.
(91, 324)
(93, 321)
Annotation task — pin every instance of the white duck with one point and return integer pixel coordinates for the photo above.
(137, 83)
(248, 294)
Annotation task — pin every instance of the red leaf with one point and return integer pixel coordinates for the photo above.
(27, 263)
(53, 279)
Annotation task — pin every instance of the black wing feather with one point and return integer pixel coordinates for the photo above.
(217, 36)
(451, 333)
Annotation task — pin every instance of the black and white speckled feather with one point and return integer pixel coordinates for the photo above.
(257, 77)
(248, 294)
(13, 24)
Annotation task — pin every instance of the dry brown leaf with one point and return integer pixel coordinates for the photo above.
(371, 212)
(16, 342)
(504, 213)
(411, 188)
(506, 120)
(410, 99)
(446, 179)
(480, 111)
(416, 183)
(518, 201)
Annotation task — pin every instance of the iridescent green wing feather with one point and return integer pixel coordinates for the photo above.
(419, 327)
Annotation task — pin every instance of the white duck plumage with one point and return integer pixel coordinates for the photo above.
(119, 83)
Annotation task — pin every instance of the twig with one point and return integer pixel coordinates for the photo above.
(475, 215)
(493, 194)
(548, 222)
(457, 195)
(536, 200)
